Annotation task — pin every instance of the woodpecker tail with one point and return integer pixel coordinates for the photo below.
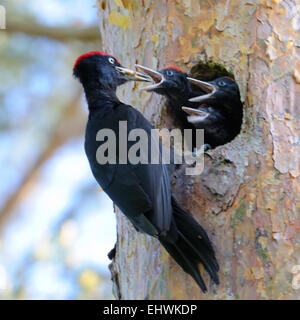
(192, 247)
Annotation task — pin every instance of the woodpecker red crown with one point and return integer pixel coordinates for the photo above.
(174, 68)
(89, 54)
(229, 78)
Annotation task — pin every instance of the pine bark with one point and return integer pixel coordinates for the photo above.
(247, 198)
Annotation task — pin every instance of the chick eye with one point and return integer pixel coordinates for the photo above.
(222, 83)
(170, 73)
(111, 60)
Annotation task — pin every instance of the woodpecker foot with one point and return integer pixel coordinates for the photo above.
(207, 147)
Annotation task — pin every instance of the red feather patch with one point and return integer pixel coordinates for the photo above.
(174, 68)
(89, 54)
(229, 78)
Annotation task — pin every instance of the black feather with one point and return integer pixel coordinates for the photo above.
(141, 191)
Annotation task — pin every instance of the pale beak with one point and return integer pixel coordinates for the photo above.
(155, 76)
(195, 115)
(207, 87)
(133, 75)
(194, 111)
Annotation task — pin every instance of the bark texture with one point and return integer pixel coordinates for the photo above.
(247, 198)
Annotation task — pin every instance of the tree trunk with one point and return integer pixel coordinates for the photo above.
(247, 198)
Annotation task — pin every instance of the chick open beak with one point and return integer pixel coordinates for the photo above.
(195, 115)
(207, 87)
(154, 75)
(194, 111)
(133, 75)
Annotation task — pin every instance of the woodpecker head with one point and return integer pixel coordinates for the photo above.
(170, 81)
(218, 92)
(103, 70)
(221, 96)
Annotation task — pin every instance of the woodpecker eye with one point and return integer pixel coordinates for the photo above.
(111, 60)
(222, 83)
(170, 73)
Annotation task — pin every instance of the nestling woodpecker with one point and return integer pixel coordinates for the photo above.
(219, 126)
(220, 111)
(141, 191)
(172, 83)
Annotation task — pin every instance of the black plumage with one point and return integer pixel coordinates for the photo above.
(172, 83)
(220, 112)
(141, 191)
(220, 124)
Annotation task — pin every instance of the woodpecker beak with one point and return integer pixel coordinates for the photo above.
(155, 76)
(193, 111)
(133, 75)
(195, 115)
(206, 87)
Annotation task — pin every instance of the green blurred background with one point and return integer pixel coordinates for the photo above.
(56, 228)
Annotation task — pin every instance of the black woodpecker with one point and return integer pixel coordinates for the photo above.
(220, 111)
(175, 84)
(172, 83)
(141, 191)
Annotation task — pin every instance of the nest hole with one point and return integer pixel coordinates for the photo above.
(206, 71)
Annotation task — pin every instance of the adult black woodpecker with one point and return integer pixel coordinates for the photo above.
(220, 111)
(175, 84)
(141, 191)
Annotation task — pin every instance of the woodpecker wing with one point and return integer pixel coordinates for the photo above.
(141, 191)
